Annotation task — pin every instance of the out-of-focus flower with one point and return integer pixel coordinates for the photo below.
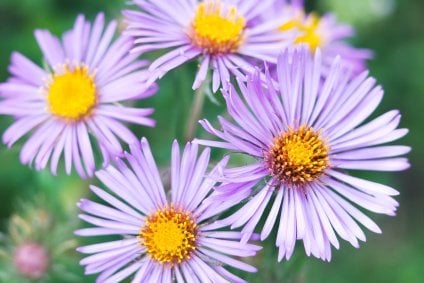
(166, 237)
(31, 260)
(87, 76)
(228, 36)
(320, 32)
(304, 136)
(35, 245)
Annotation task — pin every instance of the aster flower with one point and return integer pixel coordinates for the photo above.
(303, 138)
(87, 77)
(227, 36)
(323, 32)
(167, 237)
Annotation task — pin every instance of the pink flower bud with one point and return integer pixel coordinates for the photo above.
(31, 260)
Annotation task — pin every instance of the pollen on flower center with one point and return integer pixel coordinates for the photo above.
(72, 95)
(217, 28)
(298, 157)
(169, 235)
(308, 29)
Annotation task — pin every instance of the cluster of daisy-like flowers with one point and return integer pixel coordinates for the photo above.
(299, 108)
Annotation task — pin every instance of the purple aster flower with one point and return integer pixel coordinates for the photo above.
(303, 138)
(87, 77)
(167, 236)
(228, 36)
(320, 32)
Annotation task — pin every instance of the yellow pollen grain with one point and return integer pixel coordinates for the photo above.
(217, 29)
(169, 235)
(297, 157)
(308, 28)
(72, 95)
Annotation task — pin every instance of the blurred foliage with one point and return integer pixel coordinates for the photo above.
(41, 224)
(392, 28)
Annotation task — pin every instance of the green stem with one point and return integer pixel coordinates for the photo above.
(196, 110)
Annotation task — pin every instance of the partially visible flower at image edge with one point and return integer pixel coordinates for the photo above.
(88, 75)
(303, 138)
(227, 36)
(166, 237)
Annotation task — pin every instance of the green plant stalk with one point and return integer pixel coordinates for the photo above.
(196, 110)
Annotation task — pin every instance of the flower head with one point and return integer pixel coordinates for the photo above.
(228, 36)
(87, 76)
(36, 244)
(304, 136)
(31, 260)
(323, 32)
(165, 235)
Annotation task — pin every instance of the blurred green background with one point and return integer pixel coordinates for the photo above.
(393, 29)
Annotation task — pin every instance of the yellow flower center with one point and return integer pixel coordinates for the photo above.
(169, 235)
(297, 157)
(72, 95)
(216, 28)
(308, 28)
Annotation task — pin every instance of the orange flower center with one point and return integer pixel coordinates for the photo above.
(298, 156)
(169, 235)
